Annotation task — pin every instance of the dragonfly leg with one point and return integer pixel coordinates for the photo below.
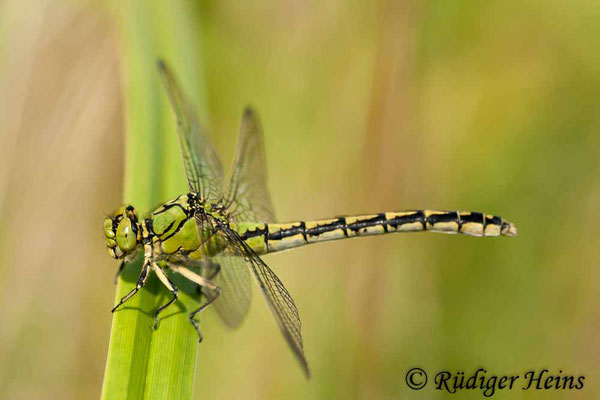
(209, 301)
(205, 284)
(121, 266)
(140, 283)
(169, 285)
(210, 269)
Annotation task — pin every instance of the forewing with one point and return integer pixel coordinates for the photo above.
(246, 195)
(280, 301)
(203, 169)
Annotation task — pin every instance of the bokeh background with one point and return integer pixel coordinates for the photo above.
(367, 106)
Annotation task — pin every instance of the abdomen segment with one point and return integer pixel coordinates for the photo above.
(276, 237)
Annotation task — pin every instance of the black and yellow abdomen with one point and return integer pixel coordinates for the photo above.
(268, 238)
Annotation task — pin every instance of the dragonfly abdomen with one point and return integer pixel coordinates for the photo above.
(279, 237)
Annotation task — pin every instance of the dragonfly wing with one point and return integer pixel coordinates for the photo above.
(246, 195)
(236, 292)
(203, 168)
(280, 301)
(232, 277)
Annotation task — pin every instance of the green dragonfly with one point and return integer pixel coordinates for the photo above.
(215, 234)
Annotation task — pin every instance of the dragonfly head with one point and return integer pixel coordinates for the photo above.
(123, 232)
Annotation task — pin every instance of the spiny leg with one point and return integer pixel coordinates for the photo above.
(209, 301)
(169, 285)
(140, 283)
(210, 269)
(206, 284)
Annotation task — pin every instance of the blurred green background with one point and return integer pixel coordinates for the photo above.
(366, 107)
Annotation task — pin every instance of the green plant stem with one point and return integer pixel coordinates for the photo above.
(142, 363)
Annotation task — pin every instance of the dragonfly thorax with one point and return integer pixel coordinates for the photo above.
(217, 210)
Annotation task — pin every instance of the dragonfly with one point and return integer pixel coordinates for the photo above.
(215, 235)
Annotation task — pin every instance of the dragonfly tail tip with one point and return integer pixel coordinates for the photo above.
(509, 229)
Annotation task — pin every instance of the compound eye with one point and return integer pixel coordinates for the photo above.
(108, 228)
(126, 238)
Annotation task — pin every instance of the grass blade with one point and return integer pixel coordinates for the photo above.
(142, 363)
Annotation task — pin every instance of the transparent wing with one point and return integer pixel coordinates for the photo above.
(280, 301)
(202, 166)
(236, 291)
(232, 276)
(246, 195)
